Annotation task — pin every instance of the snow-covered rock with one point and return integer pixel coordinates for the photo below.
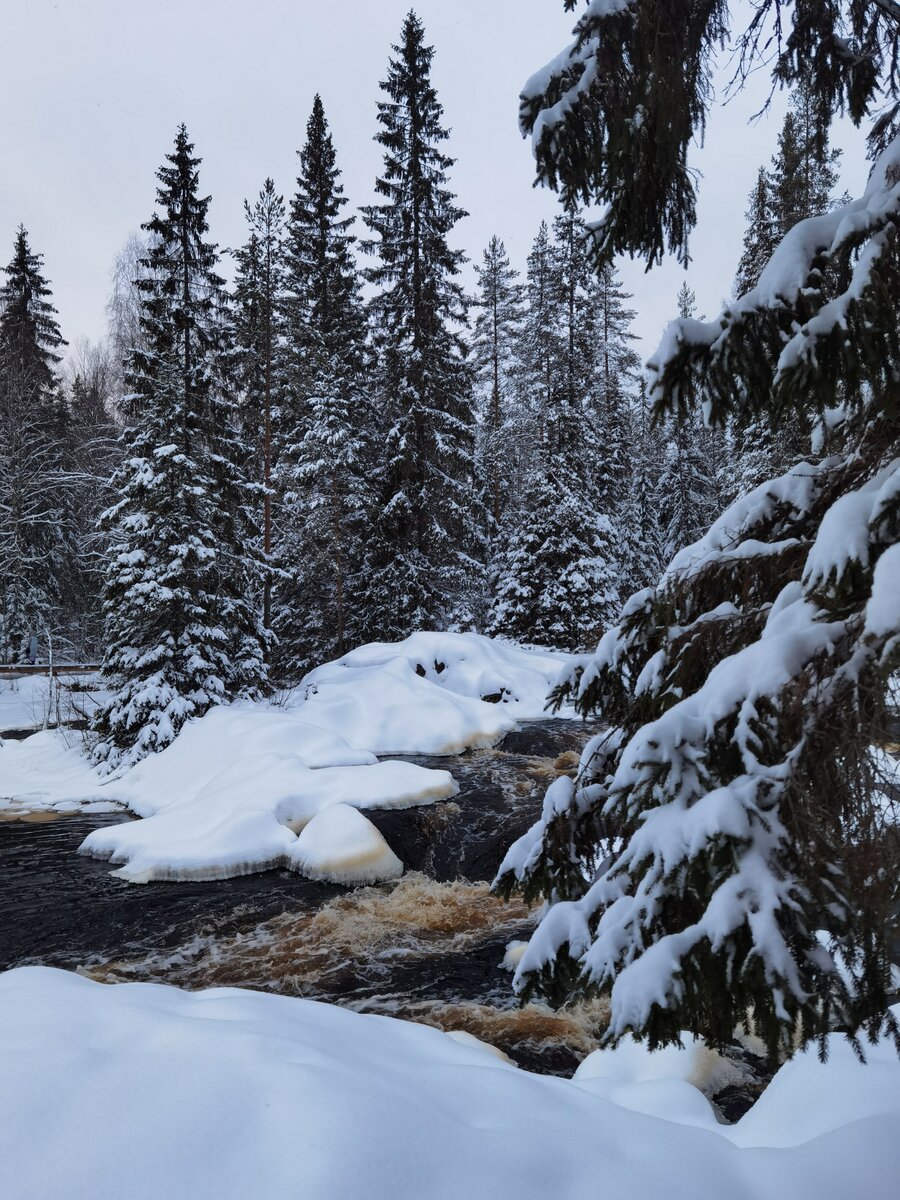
(147, 1091)
(340, 846)
(230, 793)
(426, 695)
(48, 770)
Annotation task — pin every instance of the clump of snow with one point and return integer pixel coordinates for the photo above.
(148, 1091)
(427, 694)
(464, 1038)
(513, 955)
(631, 1062)
(229, 794)
(340, 846)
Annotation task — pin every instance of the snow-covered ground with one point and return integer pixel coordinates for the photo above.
(32, 701)
(144, 1091)
(237, 786)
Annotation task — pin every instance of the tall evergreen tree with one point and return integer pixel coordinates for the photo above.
(762, 234)
(540, 346)
(323, 467)
(36, 525)
(616, 368)
(425, 562)
(555, 580)
(182, 631)
(257, 335)
(495, 346)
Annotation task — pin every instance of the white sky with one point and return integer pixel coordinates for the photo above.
(95, 89)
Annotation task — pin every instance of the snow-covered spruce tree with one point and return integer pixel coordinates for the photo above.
(555, 579)
(762, 234)
(495, 346)
(425, 560)
(322, 470)
(256, 335)
(642, 523)
(539, 349)
(752, 867)
(182, 630)
(92, 454)
(616, 368)
(687, 491)
(799, 185)
(36, 525)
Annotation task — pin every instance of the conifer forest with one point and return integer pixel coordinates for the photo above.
(450, 743)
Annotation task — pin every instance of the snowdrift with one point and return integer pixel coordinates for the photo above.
(236, 787)
(231, 793)
(148, 1091)
(434, 693)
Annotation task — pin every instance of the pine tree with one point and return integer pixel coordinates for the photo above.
(799, 185)
(805, 169)
(425, 567)
(762, 234)
(724, 856)
(36, 517)
(257, 337)
(687, 492)
(495, 345)
(643, 525)
(539, 347)
(323, 466)
(616, 368)
(181, 633)
(556, 578)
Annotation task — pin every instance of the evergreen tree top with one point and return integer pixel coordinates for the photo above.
(321, 275)
(29, 331)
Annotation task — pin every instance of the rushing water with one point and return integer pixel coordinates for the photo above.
(429, 947)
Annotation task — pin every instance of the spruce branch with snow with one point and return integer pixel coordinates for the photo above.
(727, 854)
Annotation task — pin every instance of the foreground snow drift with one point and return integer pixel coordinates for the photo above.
(145, 1091)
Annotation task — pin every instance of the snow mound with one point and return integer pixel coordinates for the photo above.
(434, 693)
(673, 1082)
(341, 846)
(48, 770)
(227, 1094)
(228, 795)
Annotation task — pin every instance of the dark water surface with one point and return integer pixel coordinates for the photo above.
(429, 947)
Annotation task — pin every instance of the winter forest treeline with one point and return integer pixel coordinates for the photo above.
(343, 447)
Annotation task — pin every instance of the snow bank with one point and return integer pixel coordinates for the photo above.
(426, 695)
(48, 770)
(147, 1091)
(229, 794)
(341, 846)
(30, 701)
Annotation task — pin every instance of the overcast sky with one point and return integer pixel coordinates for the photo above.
(95, 89)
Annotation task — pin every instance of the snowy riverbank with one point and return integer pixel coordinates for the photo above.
(147, 1091)
(240, 789)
